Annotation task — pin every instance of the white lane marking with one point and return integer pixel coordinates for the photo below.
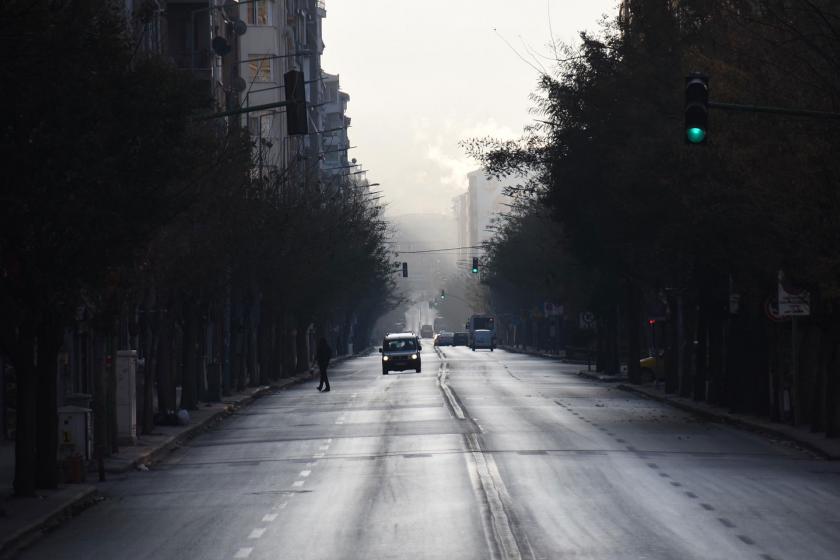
(281, 506)
(324, 447)
(318, 455)
(298, 483)
(304, 474)
(459, 413)
(256, 533)
(243, 553)
(312, 464)
(269, 517)
(354, 395)
(329, 440)
(484, 475)
(339, 421)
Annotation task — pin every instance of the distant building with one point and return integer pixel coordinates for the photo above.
(335, 141)
(485, 201)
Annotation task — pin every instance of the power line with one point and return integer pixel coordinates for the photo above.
(440, 250)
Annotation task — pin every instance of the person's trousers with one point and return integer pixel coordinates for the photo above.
(325, 382)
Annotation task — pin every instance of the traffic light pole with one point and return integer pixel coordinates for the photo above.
(738, 107)
(244, 110)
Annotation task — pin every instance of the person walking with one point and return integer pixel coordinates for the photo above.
(323, 353)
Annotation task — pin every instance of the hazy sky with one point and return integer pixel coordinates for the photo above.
(423, 75)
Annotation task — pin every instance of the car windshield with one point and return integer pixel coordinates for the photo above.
(400, 344)
(483, 323)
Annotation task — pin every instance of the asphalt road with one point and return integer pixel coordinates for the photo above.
(482, 455)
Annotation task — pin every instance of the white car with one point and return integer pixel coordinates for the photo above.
(483, 338)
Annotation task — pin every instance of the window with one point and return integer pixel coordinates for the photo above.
(401, 344)
(257, 12)
(259, 124)
(259, 67)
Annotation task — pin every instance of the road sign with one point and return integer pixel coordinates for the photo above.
(771, 309)
(587, 320)
(794, 303)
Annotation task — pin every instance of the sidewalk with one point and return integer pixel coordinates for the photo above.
(24, 520)
(802, 436)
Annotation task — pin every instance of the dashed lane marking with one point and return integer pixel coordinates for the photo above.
(256, 533)
(269, 517)
(306, 473)
(243, 553)
(298, 483)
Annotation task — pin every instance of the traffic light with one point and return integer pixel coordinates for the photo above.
(696, 108)
(296, 116)
(405, 270)
(475, 265)
(442, 294)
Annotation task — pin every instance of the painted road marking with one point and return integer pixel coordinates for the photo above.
(256, 533)
(269, 517)
(324, 447)
(243, 553)
(305, 473)
(298, 483)
(318, 455)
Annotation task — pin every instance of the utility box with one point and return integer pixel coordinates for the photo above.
(127, 397)
(74, 431)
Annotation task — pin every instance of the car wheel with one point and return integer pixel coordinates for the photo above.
(473, 348)
(417, 370)
(491, 348)
(384, 371)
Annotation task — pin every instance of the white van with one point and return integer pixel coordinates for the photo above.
(483, 338)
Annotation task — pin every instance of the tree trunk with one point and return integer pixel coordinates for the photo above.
(189, 378)
(49, 342)
(26, 415)
(111, 385)
(165, 388)
(302, 347)
(634, 372)
(701, 362)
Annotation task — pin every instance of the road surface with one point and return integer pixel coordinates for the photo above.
(482, 455)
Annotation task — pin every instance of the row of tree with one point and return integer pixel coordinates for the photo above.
(125, 217)
(619, 216)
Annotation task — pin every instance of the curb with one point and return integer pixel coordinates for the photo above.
(28, 535)
(731, 419)
(595, 376)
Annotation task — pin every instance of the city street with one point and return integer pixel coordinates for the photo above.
(482, 455)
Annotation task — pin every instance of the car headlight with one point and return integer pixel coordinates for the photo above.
(414, 356)
(384, 358)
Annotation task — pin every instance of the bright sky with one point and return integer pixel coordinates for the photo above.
(423, 75)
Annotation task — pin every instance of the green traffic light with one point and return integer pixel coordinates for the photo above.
(695, 135)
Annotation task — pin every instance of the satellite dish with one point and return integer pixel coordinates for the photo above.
(239, 84)
(220, 46)
(239, 26)
(353, 161)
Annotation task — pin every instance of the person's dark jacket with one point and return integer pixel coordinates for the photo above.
(323, 353)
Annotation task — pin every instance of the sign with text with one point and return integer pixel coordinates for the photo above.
(794, 303)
